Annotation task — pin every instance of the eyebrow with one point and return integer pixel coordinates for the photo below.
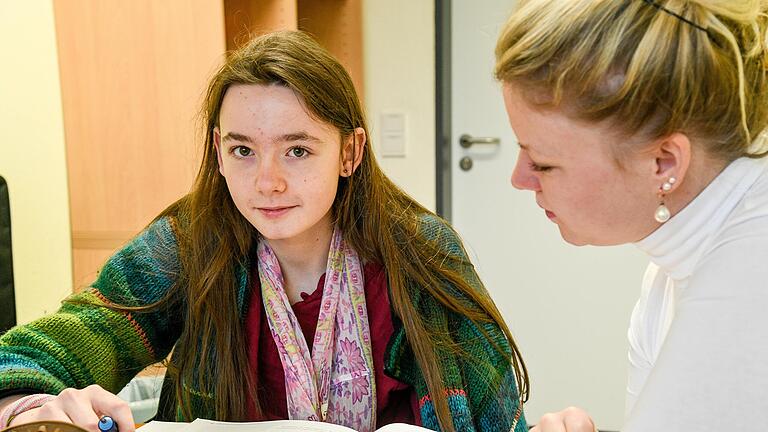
(289, 137)
(527, 148)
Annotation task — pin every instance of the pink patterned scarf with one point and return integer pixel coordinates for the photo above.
(335, 382)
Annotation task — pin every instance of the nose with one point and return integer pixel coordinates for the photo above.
(270, 177)
(523, 176)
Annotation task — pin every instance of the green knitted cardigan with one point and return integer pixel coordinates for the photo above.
(84, 344)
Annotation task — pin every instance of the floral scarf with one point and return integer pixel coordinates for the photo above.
(335, 382)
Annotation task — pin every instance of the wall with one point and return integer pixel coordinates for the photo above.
(32, 156)
(399, 70)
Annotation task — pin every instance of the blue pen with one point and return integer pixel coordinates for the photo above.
(106, 424)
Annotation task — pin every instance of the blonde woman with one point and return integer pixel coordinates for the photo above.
(641, 121)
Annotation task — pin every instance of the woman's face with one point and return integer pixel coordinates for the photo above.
(571, 168)
(281, 166)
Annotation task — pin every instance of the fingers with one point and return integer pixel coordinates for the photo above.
(106, 403)
(577, 420)
(568, 420)
(84, 408)
(44, 413)
(78, 407)
(553, 422)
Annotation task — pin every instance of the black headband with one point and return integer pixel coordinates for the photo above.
(678, 16)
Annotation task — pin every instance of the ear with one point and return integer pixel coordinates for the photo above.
(673, 157)
(352, 152)
(217, 145)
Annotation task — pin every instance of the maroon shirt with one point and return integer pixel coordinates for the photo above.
(396, 402)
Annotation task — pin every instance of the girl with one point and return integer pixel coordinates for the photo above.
(640, 121)
(294, 281)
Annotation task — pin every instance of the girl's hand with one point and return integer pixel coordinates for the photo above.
(82, 408)
(568, 420)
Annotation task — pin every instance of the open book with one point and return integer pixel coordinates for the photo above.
(201, 425)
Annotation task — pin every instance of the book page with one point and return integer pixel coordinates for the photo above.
(401, 427)
(201, 425)
(161, 426)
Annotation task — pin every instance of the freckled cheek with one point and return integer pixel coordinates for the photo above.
(242, 194)
(607, 207)
(553, 192)
(315, 184)
(238, 175)
(566, 201)
(566, 205)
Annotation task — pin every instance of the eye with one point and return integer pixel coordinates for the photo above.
(298, 152)
(539, 168)
(242, 151)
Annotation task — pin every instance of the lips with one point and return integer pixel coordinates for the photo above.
(273, 212)
(549, 214)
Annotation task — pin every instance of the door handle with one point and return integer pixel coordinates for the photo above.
(467, 141)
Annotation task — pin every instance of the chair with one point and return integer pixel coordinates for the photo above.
(7, 296)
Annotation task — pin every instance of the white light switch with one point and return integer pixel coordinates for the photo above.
(393, 134)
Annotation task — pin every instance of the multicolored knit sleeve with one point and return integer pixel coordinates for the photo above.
(84, 343)
(482, 388)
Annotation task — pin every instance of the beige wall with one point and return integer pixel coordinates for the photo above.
(32, 156)
(399, 59)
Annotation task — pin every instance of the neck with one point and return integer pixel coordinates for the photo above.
(303, 259)
(701, 173)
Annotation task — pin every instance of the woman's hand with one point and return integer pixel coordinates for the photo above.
(82, 408)
(568, 420)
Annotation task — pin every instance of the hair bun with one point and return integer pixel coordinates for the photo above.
(741, 11)
(750, 15)
(745, 20)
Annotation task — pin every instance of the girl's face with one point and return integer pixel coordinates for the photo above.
(281, 166)
(571, 168)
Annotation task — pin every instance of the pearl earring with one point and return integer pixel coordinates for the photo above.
(662, 213)
(667, 186)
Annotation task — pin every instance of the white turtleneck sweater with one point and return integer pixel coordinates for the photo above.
(698, 357)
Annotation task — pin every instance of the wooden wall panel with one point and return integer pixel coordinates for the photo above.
(337, 25)
(132, 77)
(86, 264)
(247, 18)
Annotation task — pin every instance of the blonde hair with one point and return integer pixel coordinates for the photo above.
(648, 67)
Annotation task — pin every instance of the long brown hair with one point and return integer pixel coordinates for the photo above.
(377, 218)
(651, 67)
